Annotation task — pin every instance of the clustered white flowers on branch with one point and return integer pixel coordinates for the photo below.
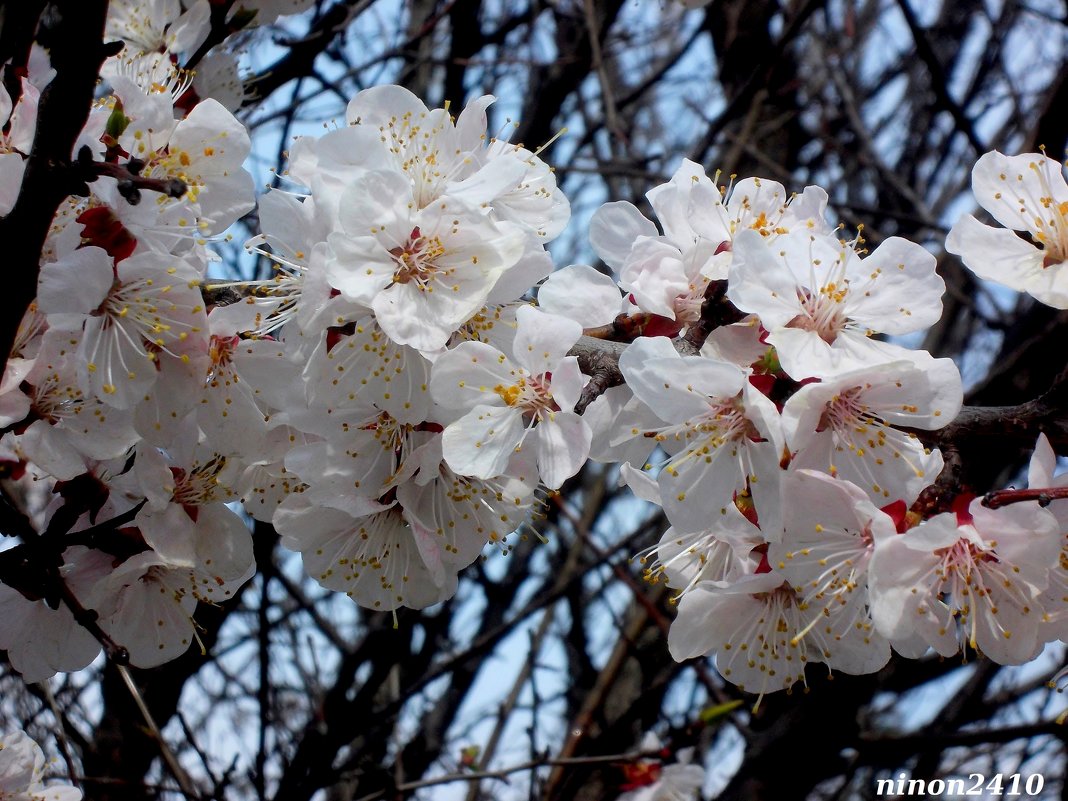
(391, 400)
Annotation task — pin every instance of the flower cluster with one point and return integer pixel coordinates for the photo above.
(786, 452)
(391, 399)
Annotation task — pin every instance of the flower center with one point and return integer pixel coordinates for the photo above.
(199, 485)
(415, 260)
(845, 411)
(822, 311)
(221, 351)
(1052, 234)
(54, 401)
(529, 393)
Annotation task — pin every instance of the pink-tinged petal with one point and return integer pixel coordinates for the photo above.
(113, 367)
(765, 482)
(23, 122)
(614, 228)
(146, 606)
(764, 414)
(801, 414)
(5, 106)
(688, 482)
(171, 534)
(51, 450)
(581, 293)
(190, 30)
(921, 393)
(40, 641)
(819, 504)
(751, 626)
(1011, 636)
(804, 354)
(738, 343)
(617, 420)
(372, 558)
(224, 552)
(940, 531)
(209, 121)
(329, 165)
(809, 209)
(563, 447)
(693, 632)
(655, 274)
(481, 442)
(757, 204)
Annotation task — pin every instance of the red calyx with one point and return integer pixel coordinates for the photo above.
(897, 511)
(960, 508)
(100, 227)
(638, 775)
(765, 565)
(335, 334)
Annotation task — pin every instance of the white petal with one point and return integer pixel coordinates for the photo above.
(481, 442)
(77, 283)
(895, 290)
(614, 228)
(563, 447)
(467, 375)
(543, 339)
(675, 387)
(581, 293)
(761, 282)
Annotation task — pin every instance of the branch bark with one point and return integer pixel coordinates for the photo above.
(78, 51)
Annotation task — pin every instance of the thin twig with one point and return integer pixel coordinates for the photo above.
(61, 733)
(177, 771)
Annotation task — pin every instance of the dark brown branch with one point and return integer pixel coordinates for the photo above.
(78, 51)
(999, 498)
(599, 359)
(131, 182)
(917, 743)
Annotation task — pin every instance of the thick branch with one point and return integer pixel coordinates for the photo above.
(77, 53)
